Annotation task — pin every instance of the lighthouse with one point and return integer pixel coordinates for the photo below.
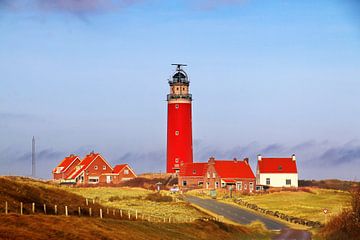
(179, 128)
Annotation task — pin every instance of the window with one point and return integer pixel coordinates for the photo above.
(280, 168)
(216, 184)
(126, 171)
(93, 179)
(239, 186)
(96, 167)
(200, 183)
(104, 167)
(208, 174)
(176, 106)
(207, 185)
(288, 181)
(267, 181)
(245, 186)
(194, 171)
(177, 160)
(251, 186)
(184, 183)
(177, 133)
(214, 175)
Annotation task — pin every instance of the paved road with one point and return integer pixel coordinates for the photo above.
(234, 213)
(242, 216)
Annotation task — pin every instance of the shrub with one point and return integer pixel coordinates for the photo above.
(157, 197)
(346, 225)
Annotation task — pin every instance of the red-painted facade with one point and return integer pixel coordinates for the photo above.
(179, 136)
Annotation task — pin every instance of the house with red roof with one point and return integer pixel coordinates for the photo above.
(191, 175)
(122, 172)
(277, 172)
(92, 169)
(231, 174)
(66, 166)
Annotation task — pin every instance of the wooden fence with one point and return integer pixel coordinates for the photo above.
(93, 211)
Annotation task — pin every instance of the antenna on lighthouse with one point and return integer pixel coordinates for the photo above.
(178, 66)
(33, 173)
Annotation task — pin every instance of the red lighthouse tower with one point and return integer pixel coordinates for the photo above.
(179, 129)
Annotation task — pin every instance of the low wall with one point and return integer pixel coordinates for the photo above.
(280, 215)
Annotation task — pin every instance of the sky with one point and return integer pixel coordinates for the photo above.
(274, 78)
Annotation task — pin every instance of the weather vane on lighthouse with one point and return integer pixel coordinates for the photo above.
(179, 131)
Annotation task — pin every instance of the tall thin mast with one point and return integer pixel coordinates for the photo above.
(33, 173)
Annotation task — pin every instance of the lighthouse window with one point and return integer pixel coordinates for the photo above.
(177, 160)
(177, 133)
(176, 106)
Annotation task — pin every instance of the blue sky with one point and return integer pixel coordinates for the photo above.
(269, 77)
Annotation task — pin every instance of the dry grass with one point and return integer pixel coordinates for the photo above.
(138, 199)
(345, 225)
(38, 227)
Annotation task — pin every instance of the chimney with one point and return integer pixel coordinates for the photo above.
(293, 157)
(259, 157)
(246, 160)
(211, 160)
(235, 159)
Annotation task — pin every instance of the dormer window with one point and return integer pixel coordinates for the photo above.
(104, 167)
(126, 171)
(194, 171)
(280, 168)
(96, 167)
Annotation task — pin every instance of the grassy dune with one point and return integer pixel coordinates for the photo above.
(136, 199)
(38, 227)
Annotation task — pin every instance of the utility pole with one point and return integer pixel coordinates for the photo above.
(33, 173)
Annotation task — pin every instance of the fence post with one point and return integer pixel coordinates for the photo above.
(107, 211)
(79, 210)
(6, 207)
(100, 213)
(44, 208)
(120, 212)
(87, 202)
(93, 201)
(21, 208)
(66, 211)
(136, 215)
(114, 212)
(33, 207)
(55, 209)
(129, 214)
(90, 212)
(169, 219)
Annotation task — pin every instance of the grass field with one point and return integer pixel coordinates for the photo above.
(135, 199)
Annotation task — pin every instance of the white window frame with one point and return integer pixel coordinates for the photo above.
(96, 167)
(286, 182)
(104, 167)
(184, 183)
(214, 175)
(239, 186)
(267, 181)
(177, 133)
(126, 171)
(251, 186)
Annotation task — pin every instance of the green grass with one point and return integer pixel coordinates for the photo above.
(135, 199)
(303, 204)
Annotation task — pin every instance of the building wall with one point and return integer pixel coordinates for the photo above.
(91, 172)
(192, 182)
(179, 135)
(278, 179)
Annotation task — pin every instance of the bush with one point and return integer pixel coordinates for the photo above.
(157, 197)
(346, 225)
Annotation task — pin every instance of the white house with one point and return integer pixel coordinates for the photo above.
(277, 172)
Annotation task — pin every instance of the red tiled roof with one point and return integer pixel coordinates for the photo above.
(277, 165)
(193, 169)
(84, 165)
(118, 168)
(233, 169)
(66, 162)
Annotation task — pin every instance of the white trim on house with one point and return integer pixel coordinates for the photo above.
(277, 179)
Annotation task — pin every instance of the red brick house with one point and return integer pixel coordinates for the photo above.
(90, 169)
(231, 174)
(191, 175)
(93, 169)
(120, 173)
(66, 166)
